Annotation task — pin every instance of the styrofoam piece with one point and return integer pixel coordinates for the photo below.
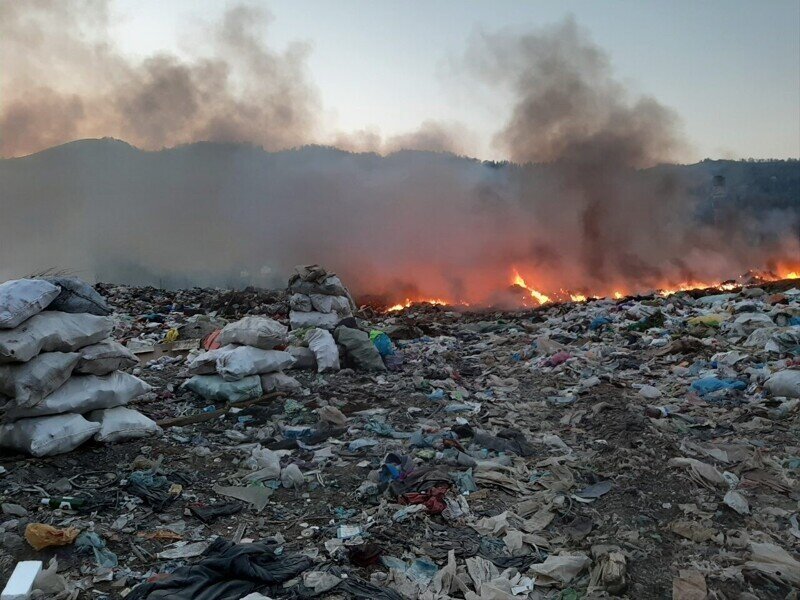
(20, 584)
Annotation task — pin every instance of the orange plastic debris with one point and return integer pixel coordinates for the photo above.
(41, 536)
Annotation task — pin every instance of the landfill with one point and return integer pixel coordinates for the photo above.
(209, 444)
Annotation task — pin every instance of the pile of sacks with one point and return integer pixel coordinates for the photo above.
(246, 364)
(60, 378)
(320, 303)
(317, 299)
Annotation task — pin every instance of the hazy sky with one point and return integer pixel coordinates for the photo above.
(731, 69)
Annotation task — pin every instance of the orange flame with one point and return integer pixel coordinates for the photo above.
(409, 302)
(536, 295)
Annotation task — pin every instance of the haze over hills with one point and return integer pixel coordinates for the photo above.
(231, 214)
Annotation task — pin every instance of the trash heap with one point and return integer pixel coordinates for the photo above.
(61, 381)
(639, 448)
(244, 364)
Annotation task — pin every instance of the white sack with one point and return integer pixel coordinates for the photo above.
(301, 320)
(83, 393)
(259, 332)
(279, 382)
(104, 358)
(215, 389)
(327, 304)
(205, 363)
(44, 436)
(52, 331)
(243, 361)
(300, 302)
(120, 424)
(784, 383)
(28, 383)
(20, 299)
(326, 354)
(77, 296)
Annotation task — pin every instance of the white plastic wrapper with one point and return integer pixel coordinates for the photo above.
(301, 320)
(243, 361)
(20, 299)
(28, 383)
(52, 331)
(120, 424)
(45, 436)
(326, 353)
(259, 332)
(83, 393)
(104, 358)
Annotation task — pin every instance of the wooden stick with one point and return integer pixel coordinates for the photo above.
(209, 416)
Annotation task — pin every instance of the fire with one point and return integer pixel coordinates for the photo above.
(536, 295)
(618, 295)
(409, 302)
(792, 275)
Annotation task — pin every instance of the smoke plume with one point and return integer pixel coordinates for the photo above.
(64, 79)
(585, 206)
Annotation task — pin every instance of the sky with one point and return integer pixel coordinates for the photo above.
(731, 69)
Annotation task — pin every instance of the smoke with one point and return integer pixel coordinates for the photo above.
(431, 136)
(581, 208)
(63, 78)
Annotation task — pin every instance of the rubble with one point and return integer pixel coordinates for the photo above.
(639, 448)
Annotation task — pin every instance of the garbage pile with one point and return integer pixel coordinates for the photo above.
(60, 377)
(637, 448)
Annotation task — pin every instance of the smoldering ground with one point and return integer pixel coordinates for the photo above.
(578, 208)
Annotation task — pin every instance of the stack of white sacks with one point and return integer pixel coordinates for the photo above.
(317, 299)
(60, 378)
(247, 363)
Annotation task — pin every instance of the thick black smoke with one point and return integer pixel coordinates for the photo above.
(578, 211)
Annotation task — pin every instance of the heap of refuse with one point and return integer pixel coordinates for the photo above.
(641, 448)
(60, 377)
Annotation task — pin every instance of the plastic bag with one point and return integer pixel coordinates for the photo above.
(205, 363)
(360, 349)
(77, 296)
(243, 361)
(45, 436)
(331, 304)
(41, 535)
(20, 299)
(326, 354)
(28, 383)
(82, 393)
(304, 357)
(104, 358)
(215, 389)
(259, 332)
(300, 302)
(299, 320)
(784, 383)
(120, 423)
(52, 331)
(279, 382)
